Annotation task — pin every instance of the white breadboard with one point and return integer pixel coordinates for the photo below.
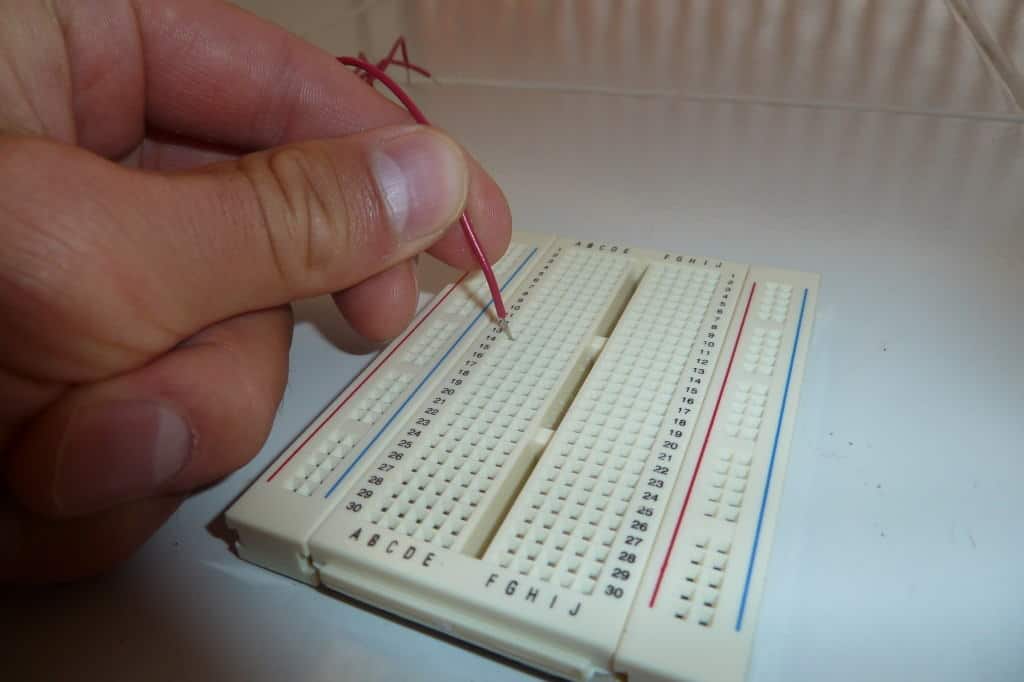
(595, 498)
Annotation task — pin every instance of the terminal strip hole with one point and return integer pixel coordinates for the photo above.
(334, 448)
(566, 520)
(439, 480)
(567, 394)
(563, 394)
(569, 390)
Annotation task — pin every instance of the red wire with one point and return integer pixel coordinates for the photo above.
(377, 72)
(390, 59)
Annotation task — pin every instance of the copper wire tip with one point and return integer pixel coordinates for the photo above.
(504, 326)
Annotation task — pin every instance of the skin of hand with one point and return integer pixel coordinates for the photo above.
(173, 173)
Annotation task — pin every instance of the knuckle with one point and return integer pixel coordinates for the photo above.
(305, 214)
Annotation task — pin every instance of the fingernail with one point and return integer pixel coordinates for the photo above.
(119, 451)
(422, 177)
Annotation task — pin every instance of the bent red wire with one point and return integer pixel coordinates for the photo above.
(399, 45)
(376, 72)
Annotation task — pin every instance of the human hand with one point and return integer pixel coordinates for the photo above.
(161, 203)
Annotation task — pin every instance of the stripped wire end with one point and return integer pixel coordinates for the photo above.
(505, 326)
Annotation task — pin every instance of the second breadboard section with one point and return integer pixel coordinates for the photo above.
(594, 498)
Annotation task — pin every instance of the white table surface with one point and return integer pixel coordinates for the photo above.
(888, 156)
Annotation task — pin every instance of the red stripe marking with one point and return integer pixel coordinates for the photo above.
(367, 378)
(703, 449)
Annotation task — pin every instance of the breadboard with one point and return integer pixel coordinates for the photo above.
(595, 498)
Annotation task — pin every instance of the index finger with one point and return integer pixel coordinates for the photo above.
(218, 74)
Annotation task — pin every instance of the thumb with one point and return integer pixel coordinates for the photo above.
(182, 251)
(306, 219)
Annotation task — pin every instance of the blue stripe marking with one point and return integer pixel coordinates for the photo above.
(771, 466)
(426, 378)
